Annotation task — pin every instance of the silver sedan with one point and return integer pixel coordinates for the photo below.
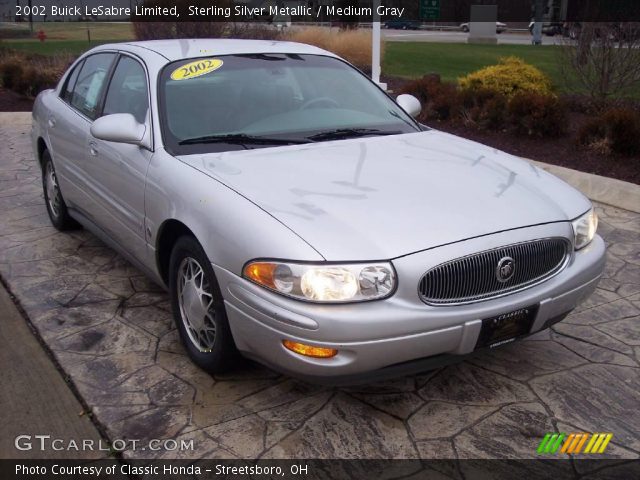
(300, 216)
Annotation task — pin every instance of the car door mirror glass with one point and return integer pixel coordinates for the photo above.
(120, 128)
(409, 104)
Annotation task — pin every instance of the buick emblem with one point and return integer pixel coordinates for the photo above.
(505, 269)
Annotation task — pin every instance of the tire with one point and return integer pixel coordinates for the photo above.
(56, 207)
(204, 329)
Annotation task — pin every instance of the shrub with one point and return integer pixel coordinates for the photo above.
(145, 30)
(417, 88)
(440, 101)
(154, 30)
(254, 31)
(30, 74)
(509, 77)
(624, 130)
(484, 108)
(578, 103)
(617, 131)
(537, 115)
(352, 45)
(11, 69)
(35, 79)
(492, 116)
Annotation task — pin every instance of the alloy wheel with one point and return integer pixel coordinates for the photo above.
(197, 310)
(53, 191)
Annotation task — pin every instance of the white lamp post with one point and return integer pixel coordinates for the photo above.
(375, 46)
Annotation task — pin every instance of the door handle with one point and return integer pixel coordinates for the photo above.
(93, 149)
(52, 122)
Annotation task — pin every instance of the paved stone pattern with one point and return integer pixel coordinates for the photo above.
(111, 331)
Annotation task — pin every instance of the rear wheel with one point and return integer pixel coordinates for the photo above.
(198, 308)
(56, 208)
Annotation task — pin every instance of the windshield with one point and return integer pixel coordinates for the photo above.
(234, 102)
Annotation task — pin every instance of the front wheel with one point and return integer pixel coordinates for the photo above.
(56, 208)
(198, 308)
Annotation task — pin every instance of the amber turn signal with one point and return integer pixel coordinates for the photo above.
(261, 273)
(310, 350)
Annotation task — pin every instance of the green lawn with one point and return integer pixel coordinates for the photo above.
(453, 60)
(74, 30)
(78, 30)
(68, 37)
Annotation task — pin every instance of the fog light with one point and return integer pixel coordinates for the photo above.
(310, 350)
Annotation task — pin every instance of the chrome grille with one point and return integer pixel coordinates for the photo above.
(474, 278)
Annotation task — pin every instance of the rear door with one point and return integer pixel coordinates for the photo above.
(68, 127)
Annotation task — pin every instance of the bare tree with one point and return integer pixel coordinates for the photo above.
(604, 60)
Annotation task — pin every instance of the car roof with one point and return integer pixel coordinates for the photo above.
(178, 49)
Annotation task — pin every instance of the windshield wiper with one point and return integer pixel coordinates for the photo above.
(350, 133)
(241, 139)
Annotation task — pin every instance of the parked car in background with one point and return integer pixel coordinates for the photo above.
(299, 215)
(402, 24)
(549, 28)
(500, 27)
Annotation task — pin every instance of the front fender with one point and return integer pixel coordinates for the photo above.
(231, 229)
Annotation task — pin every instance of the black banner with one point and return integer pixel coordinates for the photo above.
(554, 467)
(284, 11)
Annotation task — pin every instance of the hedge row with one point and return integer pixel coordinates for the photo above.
(29, 75)
(523, 113)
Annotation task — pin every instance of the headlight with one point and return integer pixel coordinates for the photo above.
(584, 229)
(328, 283)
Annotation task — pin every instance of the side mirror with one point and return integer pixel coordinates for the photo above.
(119, 127)
(409, 104)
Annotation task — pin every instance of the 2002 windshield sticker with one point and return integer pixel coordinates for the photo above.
(196, 69)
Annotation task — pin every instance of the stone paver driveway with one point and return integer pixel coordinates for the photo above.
(112, 333)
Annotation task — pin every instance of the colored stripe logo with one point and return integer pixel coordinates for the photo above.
(574, 443)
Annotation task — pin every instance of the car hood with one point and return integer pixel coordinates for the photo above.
(379, 198)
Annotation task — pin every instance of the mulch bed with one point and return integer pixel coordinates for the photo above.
(12, 102)
(560, 151)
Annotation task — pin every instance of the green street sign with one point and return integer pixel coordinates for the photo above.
(429, 9)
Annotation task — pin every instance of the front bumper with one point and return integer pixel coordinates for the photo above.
(401, 334)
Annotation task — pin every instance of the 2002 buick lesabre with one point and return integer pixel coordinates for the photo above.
(299, 215)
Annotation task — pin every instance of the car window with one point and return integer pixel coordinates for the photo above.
(127, 91)
(90, 83)
(67, 90)
(287, 96)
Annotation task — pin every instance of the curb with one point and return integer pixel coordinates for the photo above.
(611, 191)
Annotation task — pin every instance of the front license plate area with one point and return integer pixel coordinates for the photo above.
(506, 327)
